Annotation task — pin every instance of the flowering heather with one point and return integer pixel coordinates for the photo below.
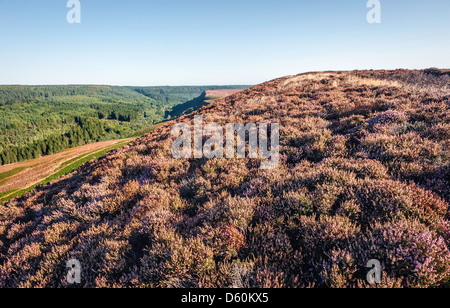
(363, 174)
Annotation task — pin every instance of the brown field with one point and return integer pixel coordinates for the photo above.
(222, 93)
(34, 171)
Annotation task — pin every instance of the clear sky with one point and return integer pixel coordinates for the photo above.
(197, 42)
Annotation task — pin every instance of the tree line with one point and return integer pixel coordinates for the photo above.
(86, 130)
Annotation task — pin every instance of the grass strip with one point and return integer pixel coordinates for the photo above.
(5, 193)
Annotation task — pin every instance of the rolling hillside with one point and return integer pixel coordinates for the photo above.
(364, 174)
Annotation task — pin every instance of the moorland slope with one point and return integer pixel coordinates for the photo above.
(364, 174)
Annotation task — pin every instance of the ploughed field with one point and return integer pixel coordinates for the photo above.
(221, 93)
(363, 175)
(19, 177)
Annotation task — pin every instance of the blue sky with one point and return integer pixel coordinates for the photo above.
(197, 42)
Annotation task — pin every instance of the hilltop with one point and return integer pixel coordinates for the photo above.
(364, 174)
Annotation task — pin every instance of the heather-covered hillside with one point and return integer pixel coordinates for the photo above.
(364, 174)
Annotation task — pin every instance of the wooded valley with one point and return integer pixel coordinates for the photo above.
(43, 120)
